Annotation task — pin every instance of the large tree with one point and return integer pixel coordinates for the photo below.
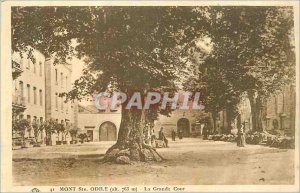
(128, 47)
(252, 52)
(135, 46)
(261, 53)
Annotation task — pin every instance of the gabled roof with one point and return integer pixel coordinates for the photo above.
(87, 109)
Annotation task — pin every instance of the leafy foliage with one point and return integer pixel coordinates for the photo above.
(20, 126)
(255, 50)
(73, 132)
(37, 129)
(251, 51)
(43, 28)
(128, 47)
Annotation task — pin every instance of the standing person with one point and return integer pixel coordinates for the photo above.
(241, 136)
(180, 134)
(161, 136)
(153, 138)
(173, 135)
(205, 132)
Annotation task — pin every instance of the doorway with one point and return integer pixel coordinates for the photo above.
(107, 131)
(183, 125)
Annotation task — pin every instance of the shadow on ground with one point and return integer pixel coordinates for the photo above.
(189, 162)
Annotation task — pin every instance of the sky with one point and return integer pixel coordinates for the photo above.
(77, 67)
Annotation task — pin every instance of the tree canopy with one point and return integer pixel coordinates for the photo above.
(252, 50)
(128, 47)
(124, 46)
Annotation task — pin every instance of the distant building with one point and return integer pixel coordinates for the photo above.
(103, 125)
(243, 116)
(99, 125)
(279, 113)
(187, 121)
(190, 121)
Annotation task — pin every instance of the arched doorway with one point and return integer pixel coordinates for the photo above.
(107, 131)
(183, 125)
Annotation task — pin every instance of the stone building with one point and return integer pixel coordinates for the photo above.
(28, 97)
(279, 113)
(37, 86)
(57, 81)
(103, 125)
(190, 121)
(185, 120)
(244, 116)
(99, 125)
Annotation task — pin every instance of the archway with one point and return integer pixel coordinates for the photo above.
(183, 125)
(107, 131)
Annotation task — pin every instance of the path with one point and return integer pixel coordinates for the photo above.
(189, 161)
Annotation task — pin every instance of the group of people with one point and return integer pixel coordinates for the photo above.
(162, 137)
(241, 142)
(173, 134)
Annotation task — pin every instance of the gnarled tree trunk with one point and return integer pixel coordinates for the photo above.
(257, 111)
(131, 145)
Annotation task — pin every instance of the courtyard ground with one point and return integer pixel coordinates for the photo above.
(189, 162)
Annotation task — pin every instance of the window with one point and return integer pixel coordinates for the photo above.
(41, 98)
(28, 63)
(34, 95)
(21, 87)
(28, 93)
(15, 85)
(66, 82)
(61, 79)
(56, 82)
(67, 107)
(62, 103)
(34, 67)
(41, 69)
(56, 101)
(22, 63)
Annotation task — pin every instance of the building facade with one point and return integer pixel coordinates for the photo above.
(187, 121)
(99, 125)
(279, 113)
(104, 125)
(36, 94)
(29, 89)
(58, 81)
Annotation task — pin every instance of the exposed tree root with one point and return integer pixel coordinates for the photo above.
(153, 151)
(122, 153)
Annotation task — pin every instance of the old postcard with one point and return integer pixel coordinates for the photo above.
(149, 96)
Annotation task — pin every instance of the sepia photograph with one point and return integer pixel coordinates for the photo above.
(150, 97)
